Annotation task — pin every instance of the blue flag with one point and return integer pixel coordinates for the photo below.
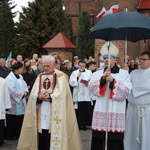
(8, 58)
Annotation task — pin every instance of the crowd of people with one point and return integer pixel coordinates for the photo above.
(45, 101)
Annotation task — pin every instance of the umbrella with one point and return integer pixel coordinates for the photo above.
(130, 26)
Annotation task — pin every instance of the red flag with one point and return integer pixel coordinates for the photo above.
(102, 12)
(114, 8)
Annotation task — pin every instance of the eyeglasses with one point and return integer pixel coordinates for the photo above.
(144, 59)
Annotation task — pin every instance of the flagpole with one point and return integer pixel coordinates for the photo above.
(125, 53)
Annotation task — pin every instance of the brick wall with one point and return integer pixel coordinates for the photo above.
(94, 7)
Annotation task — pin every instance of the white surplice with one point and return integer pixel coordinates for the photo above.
(117, 104)
(4, 98)
(16, 93)
(80, 91)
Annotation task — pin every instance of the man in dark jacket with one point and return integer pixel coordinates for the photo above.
(4, 71)
(132, 66)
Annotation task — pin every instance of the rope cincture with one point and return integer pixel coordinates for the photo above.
(140, 116)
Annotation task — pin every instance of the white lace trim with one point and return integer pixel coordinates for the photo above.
(116, 121)
(121, 92)
(94, 87)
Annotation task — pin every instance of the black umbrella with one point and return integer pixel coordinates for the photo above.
(130, 26)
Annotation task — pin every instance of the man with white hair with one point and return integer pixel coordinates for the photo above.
(112, 86)
(50, 121)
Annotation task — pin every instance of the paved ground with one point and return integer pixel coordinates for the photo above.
(85, 137)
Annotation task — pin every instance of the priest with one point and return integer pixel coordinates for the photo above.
(83, 103)
(50, 121)
(112, 86)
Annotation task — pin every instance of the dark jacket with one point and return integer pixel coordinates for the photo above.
(4, 72)
(29, 79)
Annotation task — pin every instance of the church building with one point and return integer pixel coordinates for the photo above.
(74, 7)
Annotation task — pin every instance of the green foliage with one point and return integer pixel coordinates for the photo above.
(85, 45)
(38, 23)
(68, 29)
(7, 30)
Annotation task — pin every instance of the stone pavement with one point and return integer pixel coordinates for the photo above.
(85, 137)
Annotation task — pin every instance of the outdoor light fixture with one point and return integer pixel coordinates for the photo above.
(63, 7)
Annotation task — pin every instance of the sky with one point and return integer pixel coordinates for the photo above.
(18, 7)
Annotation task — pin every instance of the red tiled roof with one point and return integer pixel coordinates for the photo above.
(144, 4)
(59, 41)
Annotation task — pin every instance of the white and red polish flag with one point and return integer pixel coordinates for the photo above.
(102, 12)
(108, 12)
(114, 8)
